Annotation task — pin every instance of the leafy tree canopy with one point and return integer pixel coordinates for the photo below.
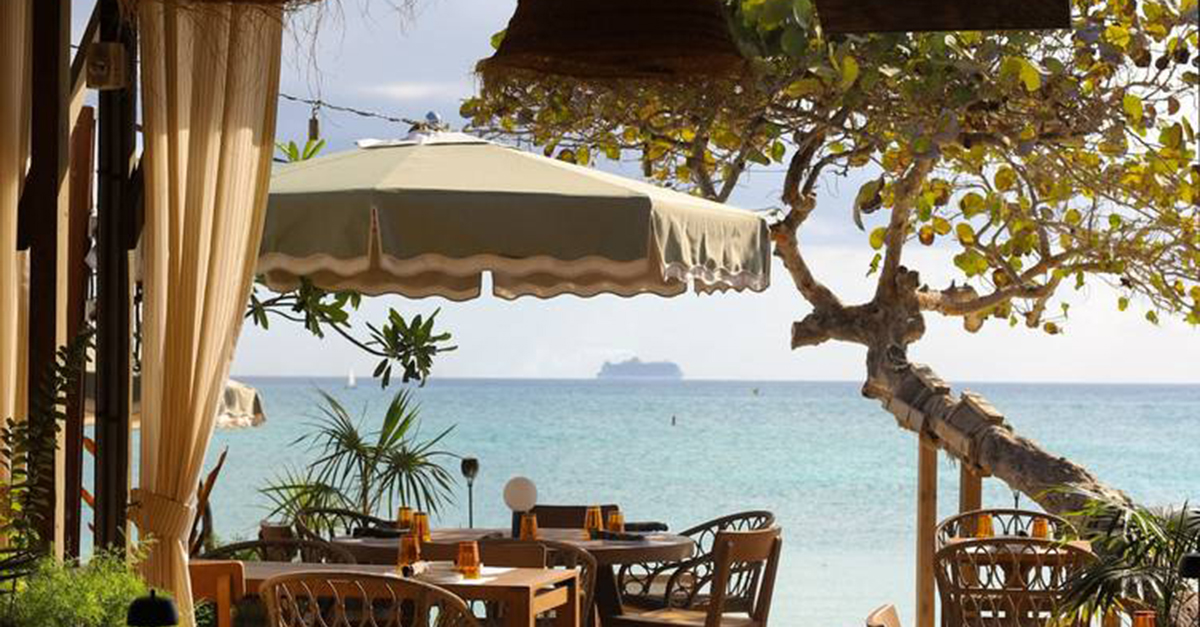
(1046, 158)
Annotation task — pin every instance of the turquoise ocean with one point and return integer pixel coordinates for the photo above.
(836, 470)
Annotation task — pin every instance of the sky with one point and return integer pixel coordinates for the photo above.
(370, 57)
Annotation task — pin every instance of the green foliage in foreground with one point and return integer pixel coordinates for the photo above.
(1139, 553)
(368, 472)
(27, 450)
(56, 594)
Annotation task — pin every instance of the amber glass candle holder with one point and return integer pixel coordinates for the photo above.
(529, 526)
(468, 559)
(616, 522)
(1041, 529)
(421, 527)
(984, 527)
(410, 550)
(404, 518)
(593, 521)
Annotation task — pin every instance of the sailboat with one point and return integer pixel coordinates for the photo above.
(351, 382)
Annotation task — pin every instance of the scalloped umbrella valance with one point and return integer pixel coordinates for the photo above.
(426, 216)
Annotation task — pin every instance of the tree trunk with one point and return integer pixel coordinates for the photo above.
(974, 432)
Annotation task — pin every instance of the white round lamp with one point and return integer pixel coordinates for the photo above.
(520, 494)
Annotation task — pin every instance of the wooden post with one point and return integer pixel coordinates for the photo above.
(82, 148)
(47, 197)
(970, 488)
(926, 527)
(113, 242)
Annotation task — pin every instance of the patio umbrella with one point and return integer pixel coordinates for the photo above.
(426, 216)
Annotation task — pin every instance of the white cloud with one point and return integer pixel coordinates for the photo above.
(408, 91)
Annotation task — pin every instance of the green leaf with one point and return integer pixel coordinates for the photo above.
(878, 237)
(971, 263)
(804, 87)
(778, 151)
(497, 38)
(1118, 36)
(1171, 137)
(1005, 179)
(971, 204)
(966, 234)
(1122, 303)
(941, 226)
(1030, 76)
(794, 41)
(849, 72)
(1133, 108)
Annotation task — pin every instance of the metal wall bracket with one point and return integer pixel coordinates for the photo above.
(106, 66)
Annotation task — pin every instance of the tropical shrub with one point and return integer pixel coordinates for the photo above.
(1139, 550)
(367, 472)
(63, 594)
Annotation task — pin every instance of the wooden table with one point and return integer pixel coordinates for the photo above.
(657, 547)
(524, 592)
(1018, 559)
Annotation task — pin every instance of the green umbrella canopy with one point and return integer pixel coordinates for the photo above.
(426, 216)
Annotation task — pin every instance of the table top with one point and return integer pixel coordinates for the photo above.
(656, 547)
(1049, 543)
(441, 575)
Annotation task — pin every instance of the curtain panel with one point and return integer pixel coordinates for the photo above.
(210, 79)
(15, 18)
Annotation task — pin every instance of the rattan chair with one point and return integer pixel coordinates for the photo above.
(1005, 581)
(656, 585)
(1005, 522)
(307, 551)
(324, 599)
(326, 523)
(734, 552)
(561, 516)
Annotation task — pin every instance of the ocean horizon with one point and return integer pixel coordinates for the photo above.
(833, 466)
(957, 385)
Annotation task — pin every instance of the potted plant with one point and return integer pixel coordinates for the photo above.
(1138, 551)
(366, 472)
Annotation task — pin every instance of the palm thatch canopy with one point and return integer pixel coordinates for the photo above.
(617, 39)
(878, 16)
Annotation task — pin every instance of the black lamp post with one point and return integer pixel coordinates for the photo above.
(152, 611)
(470, 468)
(1189, 568)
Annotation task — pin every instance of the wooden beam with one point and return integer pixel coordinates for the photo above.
(78, 274)
(113, 293)
(47, 187)
(970, 488)
(926, 528)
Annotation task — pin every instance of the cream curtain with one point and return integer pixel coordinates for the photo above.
(210, 78)
(14, 155)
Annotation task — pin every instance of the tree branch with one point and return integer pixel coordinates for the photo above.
(897, 233)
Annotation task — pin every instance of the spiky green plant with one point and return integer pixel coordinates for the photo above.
(1138, 554)
(366, 471)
